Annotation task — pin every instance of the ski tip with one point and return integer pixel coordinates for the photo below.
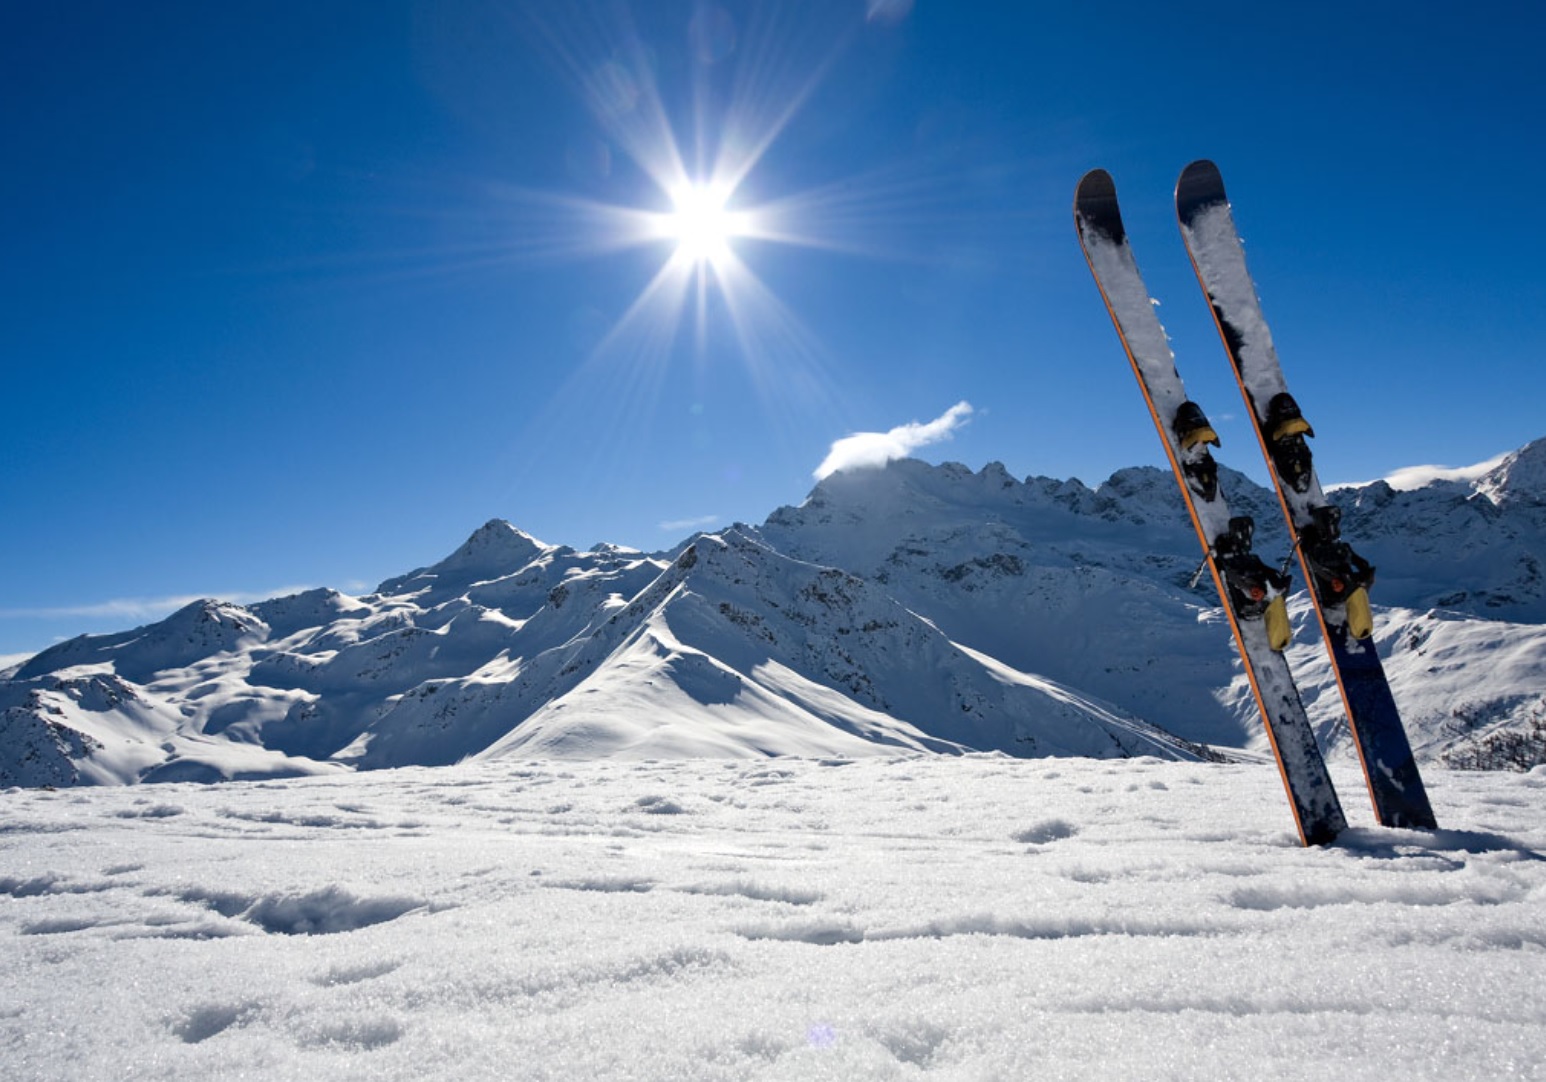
(1095, 204)
(1096, 183)
(1201, 186)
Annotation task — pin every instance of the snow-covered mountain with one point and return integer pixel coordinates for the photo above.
(915, 607)
(1476, 546)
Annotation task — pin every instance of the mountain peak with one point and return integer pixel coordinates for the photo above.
(1521, 476)
(197, 630)
(904, 479)
(494, 550)
(496, 537)
(209, 610)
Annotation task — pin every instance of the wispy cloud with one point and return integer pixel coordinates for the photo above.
(1414, 477)
(1418, 476)
(676, 525)
(870, 449)
(140, 608)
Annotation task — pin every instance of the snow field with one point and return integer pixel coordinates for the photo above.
(976, 917)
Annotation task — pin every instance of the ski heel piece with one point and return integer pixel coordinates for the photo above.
(1253, 585)
(1337, 572)
(1279, 632)
(1360, 620)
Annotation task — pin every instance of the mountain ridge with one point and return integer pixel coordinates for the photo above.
(907, 608)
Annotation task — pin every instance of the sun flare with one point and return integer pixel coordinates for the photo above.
(701, 224)
(674, 163)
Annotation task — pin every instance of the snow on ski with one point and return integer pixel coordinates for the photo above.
(1338, 577)
(1252, 593)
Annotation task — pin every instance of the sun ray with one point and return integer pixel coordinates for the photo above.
(884, 214)
(655, 309)
(784, 359)
(771, 88)
(601, 52)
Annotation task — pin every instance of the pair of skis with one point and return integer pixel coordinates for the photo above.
(1253, 592)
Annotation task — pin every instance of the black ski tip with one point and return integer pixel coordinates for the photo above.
(1201, 186)
(1095, 203)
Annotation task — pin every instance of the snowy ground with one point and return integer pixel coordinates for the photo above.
(955, 918)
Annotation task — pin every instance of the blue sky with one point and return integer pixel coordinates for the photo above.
(302, 293)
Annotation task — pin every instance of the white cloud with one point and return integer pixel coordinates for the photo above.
(128, 608)
(866, 450)
(141, 608)
(1414, 477)
(1418, 476)
(677, 524)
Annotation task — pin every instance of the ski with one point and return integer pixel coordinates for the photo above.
(1339, 578)
(1253, 594)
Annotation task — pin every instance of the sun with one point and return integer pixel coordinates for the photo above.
(675, 161)
(701, 224)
